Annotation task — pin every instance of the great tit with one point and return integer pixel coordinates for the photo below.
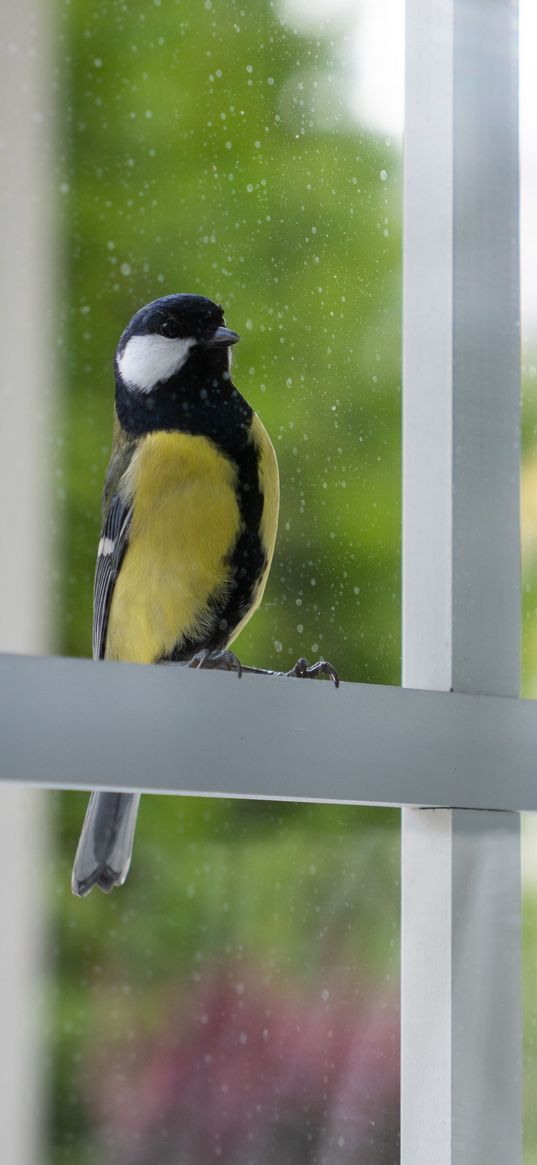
(190, 511)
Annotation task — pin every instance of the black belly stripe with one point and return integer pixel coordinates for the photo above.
(247, 561)
(205, 402)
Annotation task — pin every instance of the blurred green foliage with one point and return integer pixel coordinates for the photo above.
(207, 148)
(195, 161)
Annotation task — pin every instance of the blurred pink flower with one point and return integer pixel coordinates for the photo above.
(249, 1075)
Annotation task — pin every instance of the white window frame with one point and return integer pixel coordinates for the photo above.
(455, 748)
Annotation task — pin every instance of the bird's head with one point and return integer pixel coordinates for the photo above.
(167, 336)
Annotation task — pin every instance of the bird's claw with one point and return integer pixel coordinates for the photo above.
(305, 670)
(216, 661)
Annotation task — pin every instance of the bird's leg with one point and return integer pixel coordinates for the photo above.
(228, 661)
(305, 670)
(216, 660)
(301, 670)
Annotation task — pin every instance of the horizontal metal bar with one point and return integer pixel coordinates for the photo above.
(76, 724)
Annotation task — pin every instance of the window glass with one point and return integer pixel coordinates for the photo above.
(230, 149)
(238, 998)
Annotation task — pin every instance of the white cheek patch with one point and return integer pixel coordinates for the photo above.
(106, 547)
(148, 360)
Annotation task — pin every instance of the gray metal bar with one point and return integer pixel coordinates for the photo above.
(450, 952)
(486, 1062)
(461, 453)
(78, 724)
(461, 1028)
(486, 350)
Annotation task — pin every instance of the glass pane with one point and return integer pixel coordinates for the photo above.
(263, 171)
(238, 999)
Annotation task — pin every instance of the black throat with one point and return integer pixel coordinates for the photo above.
(200, 399)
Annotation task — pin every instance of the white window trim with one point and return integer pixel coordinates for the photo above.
(461, 1029)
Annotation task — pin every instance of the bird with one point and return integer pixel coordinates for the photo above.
(189, 521)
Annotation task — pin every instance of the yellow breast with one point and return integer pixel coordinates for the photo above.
(184, 525)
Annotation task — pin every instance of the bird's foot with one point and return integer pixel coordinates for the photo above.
(305, 670)
(228, 661)
(216, 661)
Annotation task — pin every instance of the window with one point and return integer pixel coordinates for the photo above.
(370, 744)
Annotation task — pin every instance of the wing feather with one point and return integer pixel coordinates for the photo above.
(112, 547)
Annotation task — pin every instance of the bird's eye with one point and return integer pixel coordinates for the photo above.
(170, 328)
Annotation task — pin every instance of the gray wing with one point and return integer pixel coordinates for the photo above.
(104, 851)
(112, 547)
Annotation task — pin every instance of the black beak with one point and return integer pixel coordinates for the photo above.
(222, 338)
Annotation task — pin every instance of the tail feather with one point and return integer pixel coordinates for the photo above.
(104, 851)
